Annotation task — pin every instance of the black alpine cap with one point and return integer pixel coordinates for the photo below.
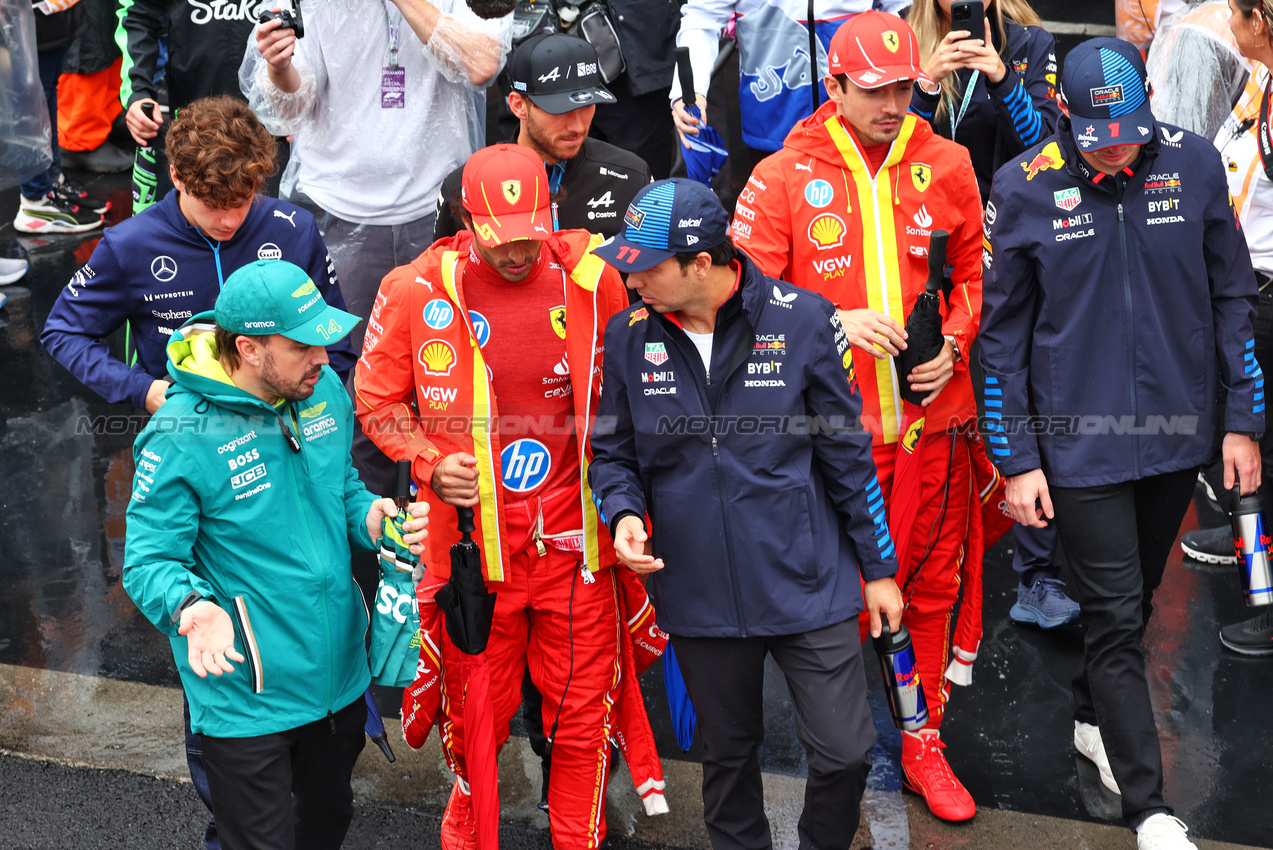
(559, 73)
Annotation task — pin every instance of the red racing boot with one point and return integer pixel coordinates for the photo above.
(459, 829)
(928, 774)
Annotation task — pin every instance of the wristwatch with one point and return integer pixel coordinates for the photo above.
(1254, 435)
(955, 345)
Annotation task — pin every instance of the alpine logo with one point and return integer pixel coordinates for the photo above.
(604, 201)
(554, 74)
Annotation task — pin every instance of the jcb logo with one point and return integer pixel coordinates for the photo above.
(243, 479)
(244, 459)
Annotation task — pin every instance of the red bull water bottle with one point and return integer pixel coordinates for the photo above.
(901, 680)
(1254, 548)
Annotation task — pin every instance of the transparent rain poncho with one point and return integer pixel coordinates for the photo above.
(1195, 68)
(25, 131)
(376, 130)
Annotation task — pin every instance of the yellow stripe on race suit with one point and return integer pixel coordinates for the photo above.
(883, 272)
(587, 274)
(480, 430)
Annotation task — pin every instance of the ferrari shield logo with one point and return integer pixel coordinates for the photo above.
(512, 190)
(891, 41)
(921, 176)
(558, 317)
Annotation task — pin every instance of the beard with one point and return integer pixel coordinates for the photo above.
(293, 390)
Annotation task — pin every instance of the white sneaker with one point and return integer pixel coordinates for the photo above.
(1087, 740)
(1163, 832)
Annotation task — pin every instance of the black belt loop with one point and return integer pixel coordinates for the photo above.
(1262, 280)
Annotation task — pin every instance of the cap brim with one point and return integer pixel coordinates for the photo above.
(875, 78)
(630, 257)
(327, 328)
(1134, 128)
(512, 227)
(560, 103)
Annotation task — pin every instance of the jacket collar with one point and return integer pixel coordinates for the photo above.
(170, 209)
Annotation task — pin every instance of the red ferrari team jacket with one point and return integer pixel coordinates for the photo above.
(813, 215)
(441, 370)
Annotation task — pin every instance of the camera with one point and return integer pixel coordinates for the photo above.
(291, 20)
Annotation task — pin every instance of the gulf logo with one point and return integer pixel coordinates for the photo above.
(525, 465)
(438, 314)
(818, 193)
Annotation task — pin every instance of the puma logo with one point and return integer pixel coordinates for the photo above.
(288, 216)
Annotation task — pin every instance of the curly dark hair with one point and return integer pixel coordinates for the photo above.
(220, 151)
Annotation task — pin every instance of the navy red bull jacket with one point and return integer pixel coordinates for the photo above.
(1116, 324)
(153, 272)
(765, 518)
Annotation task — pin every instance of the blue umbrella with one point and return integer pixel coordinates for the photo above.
(375, 726)
(706, 154)
(684, 718)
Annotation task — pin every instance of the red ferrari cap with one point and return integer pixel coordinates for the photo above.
(875, 49)
(505, 190)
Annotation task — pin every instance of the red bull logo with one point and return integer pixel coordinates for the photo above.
(1046, 159)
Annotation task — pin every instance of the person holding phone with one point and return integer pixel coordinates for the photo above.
(991, 83)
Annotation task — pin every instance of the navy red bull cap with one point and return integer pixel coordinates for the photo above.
(1106, 90)
(665, 218)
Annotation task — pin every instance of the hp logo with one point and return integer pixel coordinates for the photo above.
(526, 464)
(438, 314)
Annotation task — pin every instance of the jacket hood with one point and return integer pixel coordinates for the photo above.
(194, 367)
(811, 137)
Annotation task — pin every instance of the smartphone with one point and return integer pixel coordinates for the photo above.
(969, 15)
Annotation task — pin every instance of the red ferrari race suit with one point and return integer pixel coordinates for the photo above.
(819, 214)
(510, 374)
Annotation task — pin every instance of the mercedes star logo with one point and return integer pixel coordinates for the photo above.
(164, 268)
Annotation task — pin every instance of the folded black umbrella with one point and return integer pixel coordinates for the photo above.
(465, 602)
(924, 339)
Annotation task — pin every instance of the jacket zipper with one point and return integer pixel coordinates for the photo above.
(300, 510)
(1129, 335)
(719, 473)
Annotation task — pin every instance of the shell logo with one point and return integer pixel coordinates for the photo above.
(437, 357)
(827, 231)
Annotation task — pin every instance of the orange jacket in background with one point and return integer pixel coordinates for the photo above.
(812, 214)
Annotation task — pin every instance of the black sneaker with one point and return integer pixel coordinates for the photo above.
(1210, 545)
(105, 159)
(70, 190)
(1253, 637)
(51, 214)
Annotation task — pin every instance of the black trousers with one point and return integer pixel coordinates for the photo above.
(1117, 538)
(289, 790)
(823, 668)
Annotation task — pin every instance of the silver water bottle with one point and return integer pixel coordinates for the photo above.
(1254, 547)
(901, 680)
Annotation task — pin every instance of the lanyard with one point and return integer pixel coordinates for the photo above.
(963, 107)
(394, 30)
(555, 173)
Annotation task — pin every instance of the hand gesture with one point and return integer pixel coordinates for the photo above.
(883, 599)
(633, 546)
(455, 480)
(686, 123)
(873, 332)
(1028, 498)
(276, 45)
(932, 376)
(141, 128)
(209, 639)
(415, 527)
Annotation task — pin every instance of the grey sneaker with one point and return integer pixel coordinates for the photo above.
(1044, 604)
